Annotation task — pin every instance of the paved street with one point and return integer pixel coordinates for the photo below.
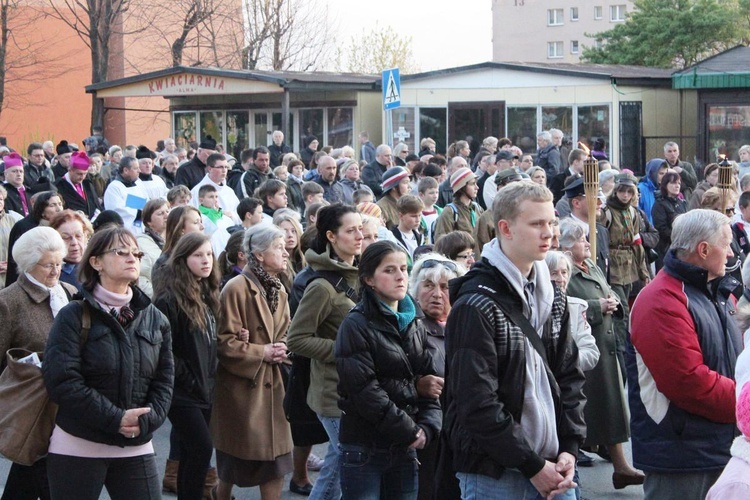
(596, 481)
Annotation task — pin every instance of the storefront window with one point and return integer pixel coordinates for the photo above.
(560, 117)
(433, 123)
(276, 123)
(311, 123)
(212, 123)
(593, 123)
(184, 129)
(522, 128)
(261, 134)
(340, 126)
(237, 132)
(405, 128)
(728, 130)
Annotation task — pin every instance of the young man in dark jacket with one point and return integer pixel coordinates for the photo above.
(514, 400)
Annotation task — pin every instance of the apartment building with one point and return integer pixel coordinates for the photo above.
(551, 31)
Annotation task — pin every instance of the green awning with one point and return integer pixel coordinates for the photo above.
(706, 80)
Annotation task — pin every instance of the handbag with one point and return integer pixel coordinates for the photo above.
(27, 416)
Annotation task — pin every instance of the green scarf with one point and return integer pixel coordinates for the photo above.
(214, 214)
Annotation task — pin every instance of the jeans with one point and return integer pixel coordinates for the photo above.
(27, 482)
(679, 486)
(372, 474)
(78, 478)
(191, 424)
(328, 484)
(512, 484)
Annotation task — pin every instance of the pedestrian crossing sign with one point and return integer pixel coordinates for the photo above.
(391, 89)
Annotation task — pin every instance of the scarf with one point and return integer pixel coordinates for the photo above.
(57, 296)
(214, 214)
(270, 284)
(155, 236)
(295, 179)
(405, 314)
(116, 303)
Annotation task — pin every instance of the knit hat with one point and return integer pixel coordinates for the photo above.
(208, 142)
(369, 208)
(79, 160)
(392, 177)
(460, 178)
(13, 160)
(63, 148)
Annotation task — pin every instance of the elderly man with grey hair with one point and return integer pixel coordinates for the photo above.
(681, 362)
(548, 156)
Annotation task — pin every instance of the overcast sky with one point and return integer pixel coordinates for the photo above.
(444, 34)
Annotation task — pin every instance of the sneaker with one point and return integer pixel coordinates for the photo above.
(314, 462)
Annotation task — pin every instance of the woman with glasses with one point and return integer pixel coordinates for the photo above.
(75, 230)
(112, 381)
(458, 246)
(668, 205)
(28, 308)
(428, 284)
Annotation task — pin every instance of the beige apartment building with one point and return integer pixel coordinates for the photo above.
(544, 31)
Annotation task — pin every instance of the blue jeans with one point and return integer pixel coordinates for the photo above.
(328, 485)
(372, 474)
(512, 484)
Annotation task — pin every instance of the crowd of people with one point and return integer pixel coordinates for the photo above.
(439, 320)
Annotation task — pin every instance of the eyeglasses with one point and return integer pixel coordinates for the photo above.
(471, 255)
(430, 263)
(729, 211)
(222, 167)
(125, 252)
(50, 267)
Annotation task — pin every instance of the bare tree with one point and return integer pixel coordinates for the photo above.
(97, 23)
(195, 12)
(286, 35)
(378, 50)
(24, 63)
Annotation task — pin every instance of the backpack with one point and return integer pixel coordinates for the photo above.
(455, 214)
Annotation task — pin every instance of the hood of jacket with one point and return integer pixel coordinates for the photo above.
(652, 170)
(324, 262)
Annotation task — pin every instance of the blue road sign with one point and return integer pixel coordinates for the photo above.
(391, 89)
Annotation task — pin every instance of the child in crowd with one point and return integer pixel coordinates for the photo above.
(273, 195)
(312, 192)
(409, 217)
(281, 172)
(427, 188)
(311, 212)
(362, 196)
(213, 218)
(178, 196)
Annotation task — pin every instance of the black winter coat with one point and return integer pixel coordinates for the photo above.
(115, 370)
(194, 352)
(485, 376)
(191, 173)
(378, 368)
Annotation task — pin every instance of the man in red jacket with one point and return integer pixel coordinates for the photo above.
(681, 363)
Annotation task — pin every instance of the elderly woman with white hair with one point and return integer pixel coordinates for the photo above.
(28, 308)
(607, 182)
(251, 435)
(606, 412)
(428, 284)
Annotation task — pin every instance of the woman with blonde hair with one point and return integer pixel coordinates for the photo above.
(288, 221)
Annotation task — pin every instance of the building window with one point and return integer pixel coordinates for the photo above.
(212, 123)
(560, 117)
(185, 125)
(238, 130)
(554, 17)
(593, 123)
(340, 126)
(599, 43)
(433, 123)
(617, 13)
(554, 50)
(574, 46)
(574, 13)
(311, 124)
(522, 128)
(598, 12)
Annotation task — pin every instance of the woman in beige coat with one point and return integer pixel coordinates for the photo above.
(250, 432)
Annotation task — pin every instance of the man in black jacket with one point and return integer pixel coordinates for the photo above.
(192, 172)
(372, 174)
(513, 400)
